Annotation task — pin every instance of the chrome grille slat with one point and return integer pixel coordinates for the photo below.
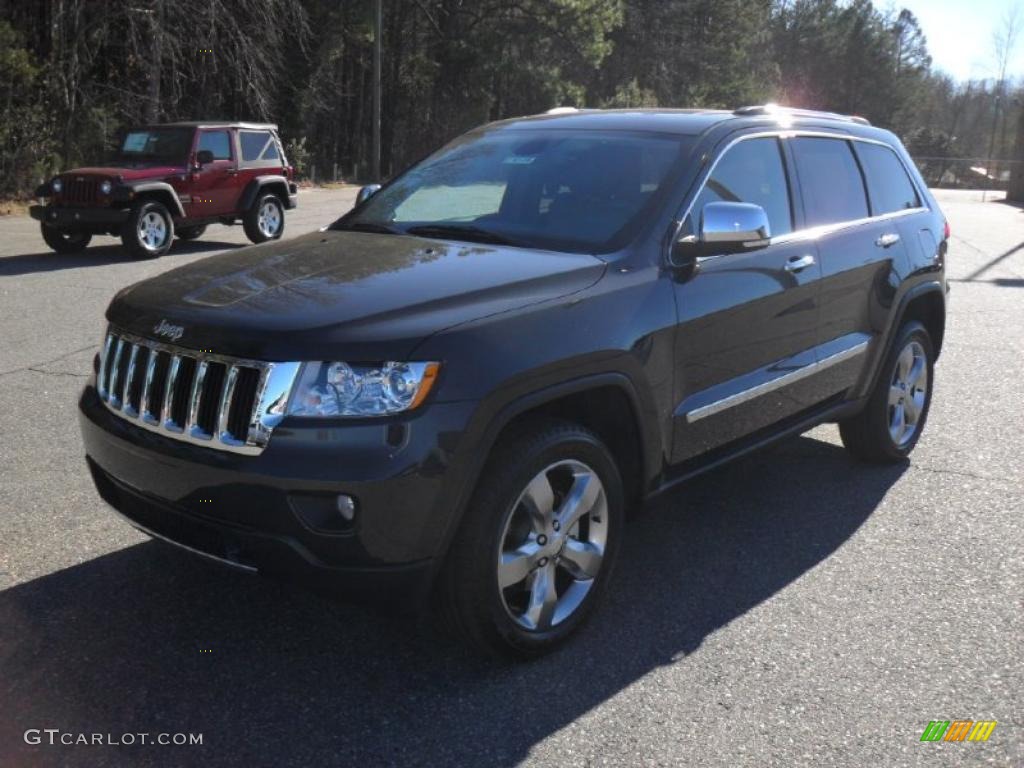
(172, 379)
(191, 428)
(126, 391)
(224, 409)
(203, 397)
(115, 374)
(147, 388)
(101, 375)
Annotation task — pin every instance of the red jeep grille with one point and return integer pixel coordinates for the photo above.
(80, 191)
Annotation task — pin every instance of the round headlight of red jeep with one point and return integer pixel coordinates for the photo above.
(56, 185)
(105, 187)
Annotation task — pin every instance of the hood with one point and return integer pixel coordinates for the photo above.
(344, 295)
(128, 172)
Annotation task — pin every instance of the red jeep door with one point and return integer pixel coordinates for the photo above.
(215, 185)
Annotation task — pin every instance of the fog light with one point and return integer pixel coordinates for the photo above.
(346, 507)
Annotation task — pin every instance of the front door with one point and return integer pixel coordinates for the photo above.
(215, 189)
(747, 322)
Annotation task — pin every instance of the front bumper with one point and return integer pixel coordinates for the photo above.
(260, 512)
(69, 218)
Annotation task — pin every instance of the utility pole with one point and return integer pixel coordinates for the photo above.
(378, 27)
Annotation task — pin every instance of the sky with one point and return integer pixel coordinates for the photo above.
(959, 34)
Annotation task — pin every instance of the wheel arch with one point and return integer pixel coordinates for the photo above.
(161, 192)
(600, 402)
(924, 302)
(276, 184)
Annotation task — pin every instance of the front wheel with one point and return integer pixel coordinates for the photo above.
(63, 241)
(891, 423)
(265, 220)
(536, 548)
(149, 230)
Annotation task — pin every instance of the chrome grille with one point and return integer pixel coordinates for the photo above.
(214, 400)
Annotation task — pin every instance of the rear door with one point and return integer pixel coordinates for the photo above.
(214, 185)
(747, 321)
(860, 246)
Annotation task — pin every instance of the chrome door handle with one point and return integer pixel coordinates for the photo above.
(800, 262)
(889, 238)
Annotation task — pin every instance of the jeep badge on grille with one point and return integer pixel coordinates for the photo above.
(172, 332)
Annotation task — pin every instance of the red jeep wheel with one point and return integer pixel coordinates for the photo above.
(63, 241)
(149, 230)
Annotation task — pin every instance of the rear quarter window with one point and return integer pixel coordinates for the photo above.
(258, 145)
(832, 185)
(889, 187)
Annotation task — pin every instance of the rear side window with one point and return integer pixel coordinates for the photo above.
(258, 145)
(889, 187)
(751, 172)
(218, 142)
(833, 188)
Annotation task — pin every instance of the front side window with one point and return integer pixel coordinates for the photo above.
(258, 145)
(889, 187)
(217, 142)
(833, 188)
(750, 172)
(576, 190)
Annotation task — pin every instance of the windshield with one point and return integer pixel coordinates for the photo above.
(582, 191)
(166, 145)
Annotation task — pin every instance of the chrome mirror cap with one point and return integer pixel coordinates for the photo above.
(365, 193)
(743, 224)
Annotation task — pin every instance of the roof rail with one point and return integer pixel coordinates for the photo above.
(775, 109)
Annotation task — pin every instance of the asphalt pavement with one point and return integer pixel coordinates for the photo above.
(793, 609)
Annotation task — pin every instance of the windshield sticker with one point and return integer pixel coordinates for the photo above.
(135, 142)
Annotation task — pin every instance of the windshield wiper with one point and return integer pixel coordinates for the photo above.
(462, 232)
(367, 226)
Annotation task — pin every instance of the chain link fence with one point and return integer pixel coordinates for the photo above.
(967, 172)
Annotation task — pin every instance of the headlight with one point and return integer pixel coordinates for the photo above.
(56, 185)
(105, 187)
(341, 389)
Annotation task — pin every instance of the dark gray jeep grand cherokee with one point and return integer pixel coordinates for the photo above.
(460, 387)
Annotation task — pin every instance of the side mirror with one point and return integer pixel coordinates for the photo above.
(724, 228)
(366, 193)
(734, 226)
(204, 157)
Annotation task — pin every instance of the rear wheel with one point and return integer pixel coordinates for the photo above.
(537, 545)
(149, 230)
(190, 233)
(63, 241)
(265, 220)
(891, 423)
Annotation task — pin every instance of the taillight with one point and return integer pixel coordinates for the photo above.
(945, 230)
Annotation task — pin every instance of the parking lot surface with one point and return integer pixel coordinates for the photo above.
(794, 608)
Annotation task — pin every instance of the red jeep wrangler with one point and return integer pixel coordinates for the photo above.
(172, 179)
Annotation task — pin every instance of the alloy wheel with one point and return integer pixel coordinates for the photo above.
(908, 393)
(552, 545)
(152, 230)
(269, 219)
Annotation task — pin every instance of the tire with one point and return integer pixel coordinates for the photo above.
(63, 241)
(149, 230)
(190, 233)
(265, 220)
(903, 395)
(496, 621)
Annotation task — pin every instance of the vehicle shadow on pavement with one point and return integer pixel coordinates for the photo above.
(147, 639)
(48, 261)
